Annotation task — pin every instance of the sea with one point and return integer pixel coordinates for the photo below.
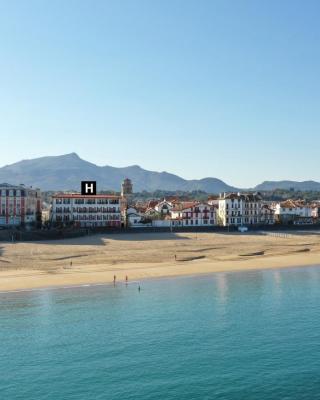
(237, 335)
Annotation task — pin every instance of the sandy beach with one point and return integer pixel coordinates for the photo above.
(96, 259)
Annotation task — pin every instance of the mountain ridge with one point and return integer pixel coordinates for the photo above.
(64, 172)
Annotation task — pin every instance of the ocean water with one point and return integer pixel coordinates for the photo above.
(250, 335)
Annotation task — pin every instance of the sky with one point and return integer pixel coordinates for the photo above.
(227, 89)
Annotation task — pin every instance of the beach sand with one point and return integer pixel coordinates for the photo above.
(96, 259)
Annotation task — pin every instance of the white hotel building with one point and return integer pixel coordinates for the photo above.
(86, 210)
(19, 205)
(240, 209)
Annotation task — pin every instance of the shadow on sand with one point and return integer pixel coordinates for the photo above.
(101, 239)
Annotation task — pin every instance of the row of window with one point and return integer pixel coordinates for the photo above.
(87, 201)
(196, 214)
(12, 193)
(290, 209)
(60, 218)
(238, 213)
(99, 223)
(96, 217)
(238, 220)
(87, 210)
(246, 205)
(196, 222)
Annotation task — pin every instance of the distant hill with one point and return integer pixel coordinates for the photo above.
(66, 171)
(287, 185)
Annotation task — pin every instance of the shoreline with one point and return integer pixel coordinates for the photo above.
(23, 280)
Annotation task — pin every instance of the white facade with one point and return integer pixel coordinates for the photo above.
(163, 207)
(316, 210)
(135, 218)
(293, 208)
(294, 212)
(161, 223)
(239, 209)
(193, 214)
(86, 211)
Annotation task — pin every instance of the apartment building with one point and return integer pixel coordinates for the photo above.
(239, 209)
(19, 205)
(86, 210)
(294, 212)
(267, 215)
(193, 214)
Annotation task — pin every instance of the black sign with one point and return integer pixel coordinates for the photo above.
(88, 187)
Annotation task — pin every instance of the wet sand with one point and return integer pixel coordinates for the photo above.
(96, 259)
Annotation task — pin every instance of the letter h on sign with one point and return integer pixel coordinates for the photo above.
(88, 187)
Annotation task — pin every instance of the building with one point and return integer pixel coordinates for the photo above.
(293, 212)
(237, 209)
(126, 199)
(316, 210)
(45, 217)
(86, 210)
(267, 216)
(163, 207)
(19, 205)
(193, 214)
(214, 200)
(135, 218)
(126, 188)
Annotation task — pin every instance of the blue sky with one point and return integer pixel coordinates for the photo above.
(228, 89)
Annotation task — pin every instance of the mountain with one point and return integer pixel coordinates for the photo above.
(66, 171)
(287, 185)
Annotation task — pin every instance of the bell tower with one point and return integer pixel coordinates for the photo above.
(126, 188)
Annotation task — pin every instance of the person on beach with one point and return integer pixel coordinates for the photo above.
(114, 279)
(70, 263)
(126, 279)
(175, 257)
